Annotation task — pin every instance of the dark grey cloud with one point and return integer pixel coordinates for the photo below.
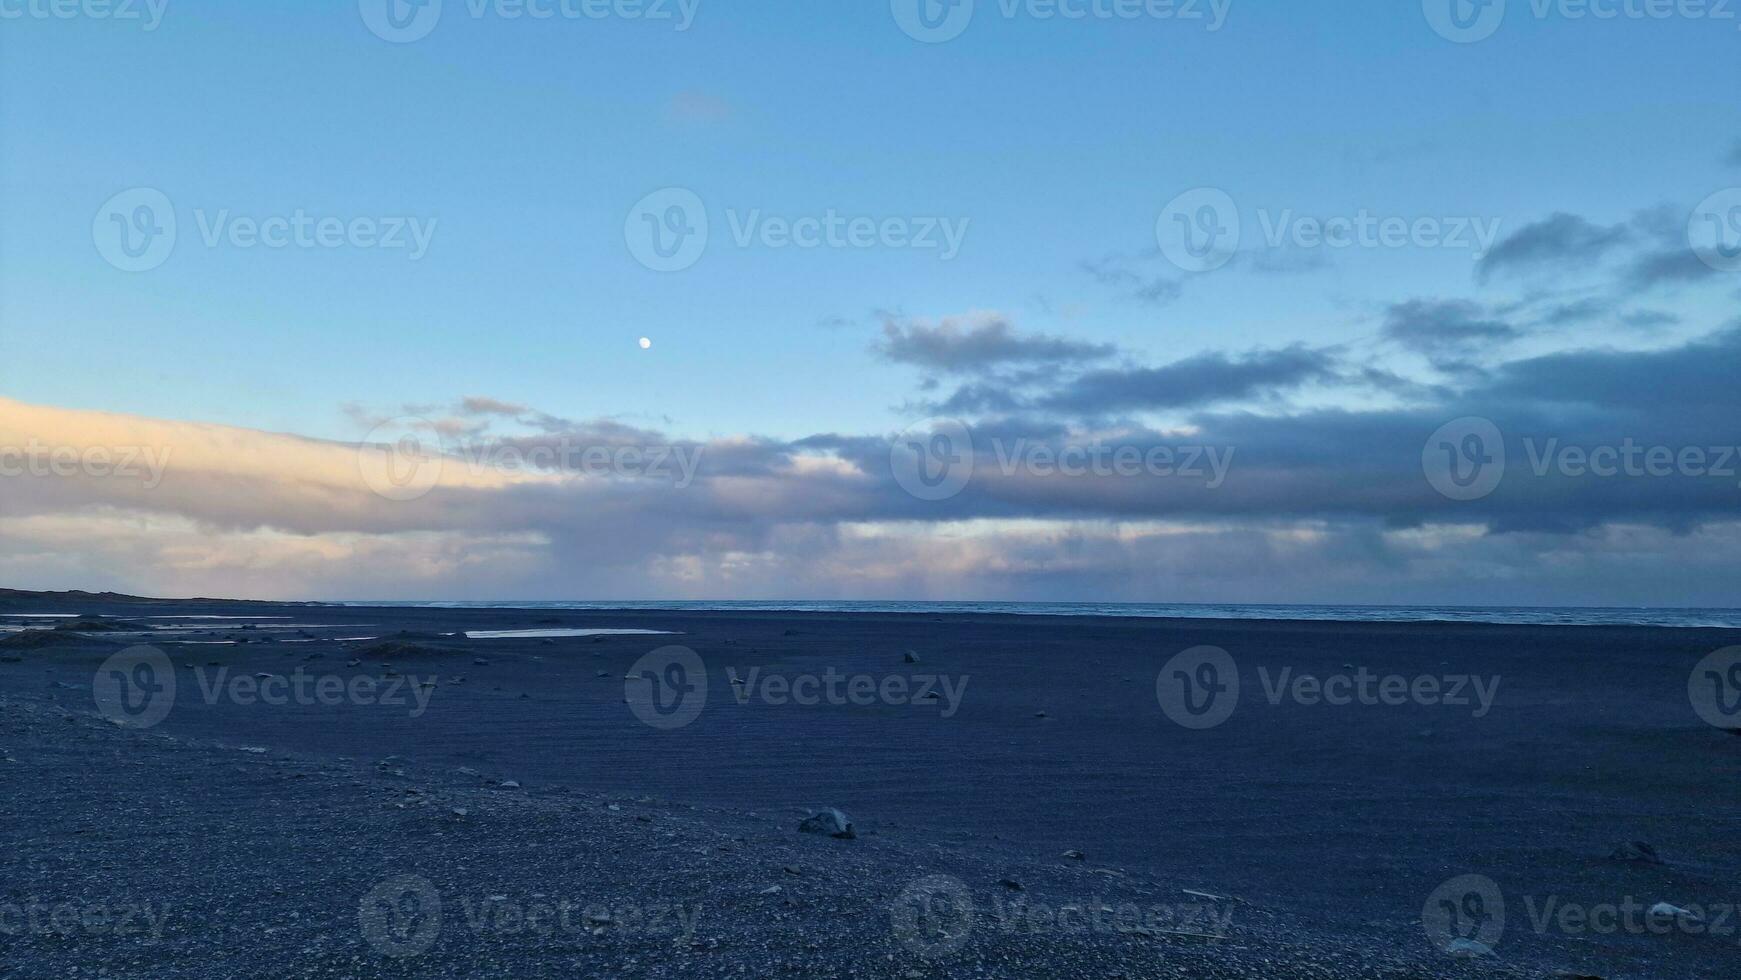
(959, 346)
(1445, 329)
(1674, 265)
(1557, 242)
(1121, 272)
(1205, 379)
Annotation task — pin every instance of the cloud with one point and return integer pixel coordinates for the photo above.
(1445, 328)
(1559, 241)
(491, 406)
(978, 342)
(1319, 502)
(1119, 272)
(1205, 379)
(1668, 266)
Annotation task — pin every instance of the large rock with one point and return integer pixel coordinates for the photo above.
(830, 822)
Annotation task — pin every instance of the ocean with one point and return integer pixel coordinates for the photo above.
(1516, 615)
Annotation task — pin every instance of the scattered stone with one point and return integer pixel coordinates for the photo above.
(910, 657)
(831, 822)
(1468, 949)
(1010, 883)
(1075, 856)
(1663, 910)
(772, 890)
(510, 784)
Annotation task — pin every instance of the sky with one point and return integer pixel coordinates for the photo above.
(594, 299)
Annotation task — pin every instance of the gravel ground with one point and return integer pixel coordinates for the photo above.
(151, 855)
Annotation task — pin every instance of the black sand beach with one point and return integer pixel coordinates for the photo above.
(1044, 787)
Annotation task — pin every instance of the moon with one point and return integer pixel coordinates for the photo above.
(646, 344)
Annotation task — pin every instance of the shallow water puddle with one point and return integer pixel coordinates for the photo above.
(552, 634)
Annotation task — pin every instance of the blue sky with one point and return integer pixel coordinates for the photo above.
(1055, 144)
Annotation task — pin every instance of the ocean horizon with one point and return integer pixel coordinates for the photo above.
(1495, 615)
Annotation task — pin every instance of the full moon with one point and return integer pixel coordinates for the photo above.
(646, 344)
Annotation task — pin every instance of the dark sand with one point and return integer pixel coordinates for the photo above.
(1322, 829)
